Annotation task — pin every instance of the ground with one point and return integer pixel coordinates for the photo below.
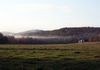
(85, 56)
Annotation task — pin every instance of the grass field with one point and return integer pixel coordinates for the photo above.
(84, 56)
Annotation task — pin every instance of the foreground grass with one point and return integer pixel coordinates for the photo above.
(50, 57)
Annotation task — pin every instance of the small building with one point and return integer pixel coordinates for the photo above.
(81, 41)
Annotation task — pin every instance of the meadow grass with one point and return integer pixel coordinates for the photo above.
(84, 56)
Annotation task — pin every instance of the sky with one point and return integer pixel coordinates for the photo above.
(22, 15)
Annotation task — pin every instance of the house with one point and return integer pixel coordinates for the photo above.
(81, 41)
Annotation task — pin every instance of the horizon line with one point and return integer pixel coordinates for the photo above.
(52, 29)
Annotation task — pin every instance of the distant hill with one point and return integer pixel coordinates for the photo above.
(30, 32)
(73, 32)
(63, 35)
(63, 32)
(7, 33)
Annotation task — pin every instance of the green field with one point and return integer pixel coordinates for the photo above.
(84, 56)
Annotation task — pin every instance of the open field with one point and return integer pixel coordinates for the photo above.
(84, 56)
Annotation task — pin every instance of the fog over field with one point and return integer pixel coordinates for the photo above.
(41, 37)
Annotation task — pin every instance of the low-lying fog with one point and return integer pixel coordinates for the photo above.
(40, 37)
(19, 36)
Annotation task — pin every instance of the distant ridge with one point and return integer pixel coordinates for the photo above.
(29, 32)
(82, 32)
(63, 35)
(63, 32)
(7, 33)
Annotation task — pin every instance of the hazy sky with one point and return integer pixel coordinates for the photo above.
(21, 15)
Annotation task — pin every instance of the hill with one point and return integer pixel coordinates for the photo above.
(63, 32)
(63, 35)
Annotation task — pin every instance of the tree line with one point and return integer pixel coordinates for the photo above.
(59, 40)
